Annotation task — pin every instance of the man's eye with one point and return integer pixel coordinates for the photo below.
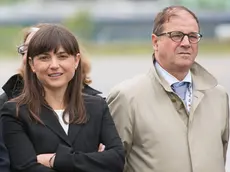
(193, 36)
(177, 35)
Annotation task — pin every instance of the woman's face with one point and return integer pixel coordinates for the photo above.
(54, 69)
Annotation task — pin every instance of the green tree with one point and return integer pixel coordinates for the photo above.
(81, 24)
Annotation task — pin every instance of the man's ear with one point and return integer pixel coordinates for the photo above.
(155, 42)
(31, 64)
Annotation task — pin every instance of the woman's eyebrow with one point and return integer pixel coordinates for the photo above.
(61, 52)
(45, 53)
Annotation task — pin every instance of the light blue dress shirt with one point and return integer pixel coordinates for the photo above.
(173, 81)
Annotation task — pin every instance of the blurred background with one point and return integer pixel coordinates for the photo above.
(111, 27)
(115, 34)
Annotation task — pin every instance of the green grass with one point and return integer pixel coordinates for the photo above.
(205, 47)
(12, 36)
(215, 46)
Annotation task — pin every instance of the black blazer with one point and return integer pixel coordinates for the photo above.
(75, 152)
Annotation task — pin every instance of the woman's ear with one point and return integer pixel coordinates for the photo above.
(31, 64)
(155, 42)
(77, 59)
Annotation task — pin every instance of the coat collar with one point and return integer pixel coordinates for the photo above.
(13, 86)
(201, 78)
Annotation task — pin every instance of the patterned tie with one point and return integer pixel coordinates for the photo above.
(180, 89)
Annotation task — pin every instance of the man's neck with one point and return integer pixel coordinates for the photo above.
(172, 76)
(179, 75)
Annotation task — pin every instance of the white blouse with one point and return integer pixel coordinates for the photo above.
(64, 126)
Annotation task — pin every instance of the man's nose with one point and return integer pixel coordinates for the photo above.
(185, 41)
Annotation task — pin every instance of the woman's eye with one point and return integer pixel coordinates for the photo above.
(43, 57)
(63, 56)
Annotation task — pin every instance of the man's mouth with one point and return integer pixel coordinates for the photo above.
(184, 53)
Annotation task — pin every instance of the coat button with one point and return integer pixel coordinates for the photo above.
(173, 100)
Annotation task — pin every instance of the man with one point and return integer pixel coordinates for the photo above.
(175, 117)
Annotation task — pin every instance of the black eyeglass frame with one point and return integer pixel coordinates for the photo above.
(169, 34)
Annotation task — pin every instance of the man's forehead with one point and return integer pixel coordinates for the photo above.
(181, 18)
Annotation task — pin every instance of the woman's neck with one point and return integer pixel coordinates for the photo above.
(55, 98)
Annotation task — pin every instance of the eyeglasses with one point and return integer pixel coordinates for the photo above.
(22, 49)
(178, 36)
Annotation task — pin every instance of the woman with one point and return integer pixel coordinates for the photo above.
(51, 125)
(14, 85)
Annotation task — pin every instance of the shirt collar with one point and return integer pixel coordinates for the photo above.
(168, 77)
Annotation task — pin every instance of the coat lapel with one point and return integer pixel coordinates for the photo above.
(51, 121)
(197, 97)
(74, 129)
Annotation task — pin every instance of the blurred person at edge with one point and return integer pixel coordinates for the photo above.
(14, 86)
(175, 118)
(52, 125)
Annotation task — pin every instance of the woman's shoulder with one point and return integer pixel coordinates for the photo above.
(92, 99)
(91, 91)
(94, 102)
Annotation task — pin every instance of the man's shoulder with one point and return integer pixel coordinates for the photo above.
(221, 90)
(130, 88)
(132, 83)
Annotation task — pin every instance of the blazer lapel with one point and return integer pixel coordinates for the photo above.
(51, 121)
(74, 129)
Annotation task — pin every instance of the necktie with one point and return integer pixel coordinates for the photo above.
(180, 89)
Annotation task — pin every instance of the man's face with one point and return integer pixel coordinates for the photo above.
(176, 56)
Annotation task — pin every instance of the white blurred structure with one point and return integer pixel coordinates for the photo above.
(222, 32)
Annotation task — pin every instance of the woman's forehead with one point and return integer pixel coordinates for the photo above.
(57, 50)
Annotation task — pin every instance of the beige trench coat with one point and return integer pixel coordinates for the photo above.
(159, 135)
